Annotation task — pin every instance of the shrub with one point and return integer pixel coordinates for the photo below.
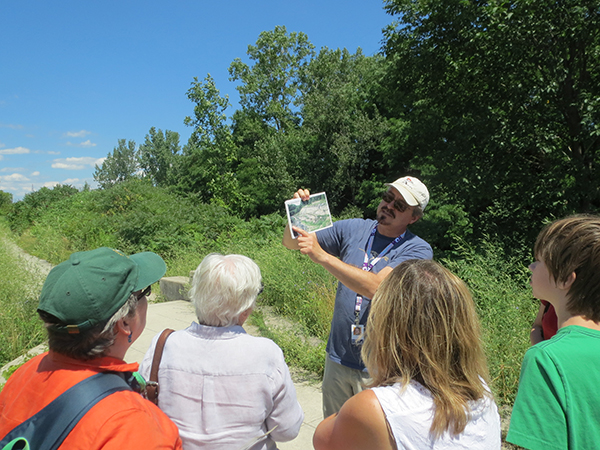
(35, 204)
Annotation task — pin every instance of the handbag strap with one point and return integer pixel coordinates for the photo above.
(152, 387)
(47, 429)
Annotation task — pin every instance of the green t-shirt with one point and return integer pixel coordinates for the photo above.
(558, 402)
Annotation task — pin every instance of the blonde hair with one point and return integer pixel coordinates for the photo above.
(423, 326)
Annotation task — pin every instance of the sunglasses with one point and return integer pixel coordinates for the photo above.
(143, 293)
(399, 205)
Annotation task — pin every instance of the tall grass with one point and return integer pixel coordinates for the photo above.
(506, 309)
(19, 291)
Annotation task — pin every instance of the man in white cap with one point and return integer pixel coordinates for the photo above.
(360, 254)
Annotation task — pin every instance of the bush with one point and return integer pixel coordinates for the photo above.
(35, 204)
(6, 199)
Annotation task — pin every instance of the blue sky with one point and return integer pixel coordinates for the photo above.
(76, 76)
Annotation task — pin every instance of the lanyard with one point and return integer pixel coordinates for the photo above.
(368, 266)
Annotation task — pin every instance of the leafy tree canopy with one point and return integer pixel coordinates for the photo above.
(271, 86)
(499, 102)
(120, 165)
(159, 157)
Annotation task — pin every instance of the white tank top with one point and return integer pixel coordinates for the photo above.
(410, 415)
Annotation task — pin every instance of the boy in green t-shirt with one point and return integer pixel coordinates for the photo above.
(558, 402)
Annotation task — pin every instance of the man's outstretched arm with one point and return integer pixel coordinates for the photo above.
(360, 281)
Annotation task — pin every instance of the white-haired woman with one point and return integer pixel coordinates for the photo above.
(222, 387)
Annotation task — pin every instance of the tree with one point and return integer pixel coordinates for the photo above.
(270, 88)
(160, 157)
(342, 128)
(210, 155)
(499, 103)
(120, 165)
(6, 199)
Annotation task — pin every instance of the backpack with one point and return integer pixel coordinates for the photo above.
(47, 429)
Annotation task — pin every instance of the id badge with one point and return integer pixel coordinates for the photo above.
(358, 334)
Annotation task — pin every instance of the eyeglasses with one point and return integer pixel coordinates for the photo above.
(399, 205)
(143, 293)
(262, 288)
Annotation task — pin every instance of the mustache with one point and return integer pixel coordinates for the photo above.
(391, 211)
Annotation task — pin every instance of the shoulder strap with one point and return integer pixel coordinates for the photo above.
(152, 388)
(47, 429)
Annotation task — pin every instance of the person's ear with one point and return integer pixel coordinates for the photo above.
(122, 326)
(566, 285)
(244, 316)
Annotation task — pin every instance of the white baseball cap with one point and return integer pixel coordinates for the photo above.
(413, 190)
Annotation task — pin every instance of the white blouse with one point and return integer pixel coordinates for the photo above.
(410, 414)
(223, 388)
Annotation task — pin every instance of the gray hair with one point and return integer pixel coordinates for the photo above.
(88, 344)
(417, 211)
(223, 287)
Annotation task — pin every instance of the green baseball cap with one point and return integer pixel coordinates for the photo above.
(88, 288)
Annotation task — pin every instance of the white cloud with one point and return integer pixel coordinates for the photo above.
(53, 153)
(34, 174)
(72, 166)
(51, 184)
(14, 177)
(15, 151)
(70, 181)
(82, 133)
(87, 143)
(76, 163)
(12, 169)
(10, 125)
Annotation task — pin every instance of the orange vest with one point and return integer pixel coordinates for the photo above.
(121, 420)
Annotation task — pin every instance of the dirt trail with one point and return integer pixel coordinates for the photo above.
(39, 268)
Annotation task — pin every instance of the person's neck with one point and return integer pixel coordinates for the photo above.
(391, 232)
(565, 318)
(580, 321)
(119, 348)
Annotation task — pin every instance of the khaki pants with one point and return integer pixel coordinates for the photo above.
(339, 384)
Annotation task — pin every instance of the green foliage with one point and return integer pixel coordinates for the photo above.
(160, 158)
(497, 104)
(342, 129)
(119, 166)
(27, 211)
(211, 158)
(132, 216)
(442, 224)
(6, 199)
(298, 349)
(270, 87)
(505, 306)
(21, 328)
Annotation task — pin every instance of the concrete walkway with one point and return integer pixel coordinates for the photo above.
(180, 314)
